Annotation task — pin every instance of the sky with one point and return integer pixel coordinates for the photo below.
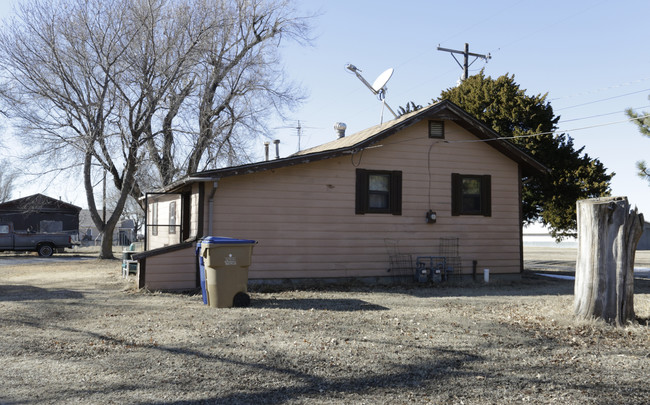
(590, 57)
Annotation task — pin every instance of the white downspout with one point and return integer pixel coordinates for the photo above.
(215, 184)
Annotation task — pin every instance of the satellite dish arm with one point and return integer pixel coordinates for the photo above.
(379, 92)
(368, 85)
(356, 71)
(390, 109)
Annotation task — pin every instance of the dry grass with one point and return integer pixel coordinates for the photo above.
(76, 332)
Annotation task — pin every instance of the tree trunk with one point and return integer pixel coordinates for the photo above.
(608, 233)
(106, 247)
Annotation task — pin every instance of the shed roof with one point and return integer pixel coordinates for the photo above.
(442, 110)
(38, 203)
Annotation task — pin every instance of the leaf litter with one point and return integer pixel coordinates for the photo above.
(79, 332)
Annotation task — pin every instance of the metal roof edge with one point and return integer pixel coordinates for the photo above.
(164, 249)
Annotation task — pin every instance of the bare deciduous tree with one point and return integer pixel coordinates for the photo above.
(8, 178)
(61, 62)
(110, 85)
(231, 85)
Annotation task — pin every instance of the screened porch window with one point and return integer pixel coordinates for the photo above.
(172, 217)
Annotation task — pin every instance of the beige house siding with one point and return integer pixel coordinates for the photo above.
(175, 270)
(304, 219)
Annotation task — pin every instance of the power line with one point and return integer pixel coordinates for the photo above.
(602, 99)
(615, 86)
(551, 132)
(546, 133)
(500, 12)
(602, 115)
(547, 27)
(462, 31)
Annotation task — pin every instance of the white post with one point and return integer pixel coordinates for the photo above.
(486, 275)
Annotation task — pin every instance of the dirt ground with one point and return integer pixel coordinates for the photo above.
(76, 332)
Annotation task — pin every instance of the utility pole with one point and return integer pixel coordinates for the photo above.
(466, 53)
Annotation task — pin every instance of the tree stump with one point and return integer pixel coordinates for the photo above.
(608, 233)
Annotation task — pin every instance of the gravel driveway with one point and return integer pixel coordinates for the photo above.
(76, 333)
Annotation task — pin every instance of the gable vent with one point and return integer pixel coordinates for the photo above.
(436, 129)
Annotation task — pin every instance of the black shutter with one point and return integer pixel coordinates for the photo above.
(396, 193)
(361, 201)
(456, 194)
(486, 195)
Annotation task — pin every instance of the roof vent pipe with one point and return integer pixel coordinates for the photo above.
(340, 128)
(277, 148)
(266, 150)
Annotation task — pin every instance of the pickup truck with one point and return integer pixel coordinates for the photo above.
(43, 243)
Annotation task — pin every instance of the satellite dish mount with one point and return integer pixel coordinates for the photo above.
(377, 88)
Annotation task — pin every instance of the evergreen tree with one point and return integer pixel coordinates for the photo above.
(642, 120)
(410, 107)
(574, 175)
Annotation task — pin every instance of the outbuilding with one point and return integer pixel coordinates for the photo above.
(40, 213)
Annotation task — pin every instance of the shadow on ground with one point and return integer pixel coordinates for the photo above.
(31, 293)
(318, 304)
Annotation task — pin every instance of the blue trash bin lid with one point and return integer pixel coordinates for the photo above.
(221, 240)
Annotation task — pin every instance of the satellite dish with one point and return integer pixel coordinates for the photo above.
(381, 80)
(378, 87)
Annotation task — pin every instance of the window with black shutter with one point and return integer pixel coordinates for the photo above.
(379, 192)
(471, 194)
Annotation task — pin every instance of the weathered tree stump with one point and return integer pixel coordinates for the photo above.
(608, 233)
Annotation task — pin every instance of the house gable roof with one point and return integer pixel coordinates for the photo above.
(442, 110)
(37, 203)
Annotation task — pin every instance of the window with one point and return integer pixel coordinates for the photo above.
(379, 191)
(436, 129)
(471, 195)
(4, 228)
(172, 217)
(50, 226)
(154, 219)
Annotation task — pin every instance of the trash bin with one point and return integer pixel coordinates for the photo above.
(226, 262)
(204, 293)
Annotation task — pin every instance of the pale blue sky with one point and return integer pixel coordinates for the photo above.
(590, 56)
(580, 52)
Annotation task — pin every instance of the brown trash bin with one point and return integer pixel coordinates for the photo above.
(226, 262)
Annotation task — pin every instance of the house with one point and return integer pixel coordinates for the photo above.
(40, 213)
(644, 242)
(123, 235)
(327, 212)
